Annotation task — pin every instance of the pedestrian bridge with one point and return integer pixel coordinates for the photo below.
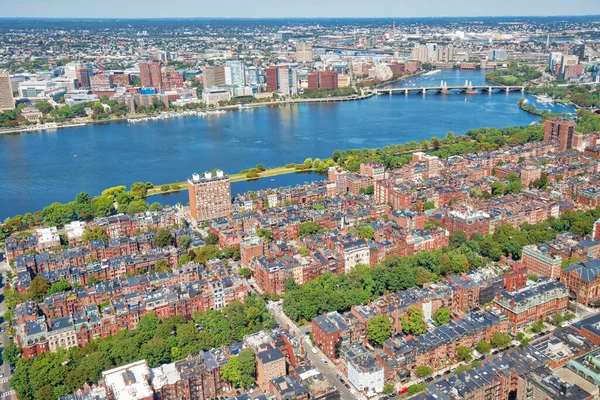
(444, 88)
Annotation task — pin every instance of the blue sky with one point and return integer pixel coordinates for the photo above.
(293, 8)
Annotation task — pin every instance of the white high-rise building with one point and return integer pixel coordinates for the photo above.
(431, 47)
(288, 81)
(252, 76)
(235, 72)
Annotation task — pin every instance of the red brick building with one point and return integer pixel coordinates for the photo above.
(323, 80)
(210, 196)
(531, 304)
(150, 75)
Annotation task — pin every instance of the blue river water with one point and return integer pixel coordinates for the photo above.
(39, 168)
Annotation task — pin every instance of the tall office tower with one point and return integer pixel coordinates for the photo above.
(444, 53)
(237, 73)
(252, 76)
(431, 47)
(271, 73)
(150, 75)
(562, 131)
(578, 50)
(304, 52)
(287, 81)
(213, 76)
(7, 101)
(83, 77)
(210, 196)
(419, 53)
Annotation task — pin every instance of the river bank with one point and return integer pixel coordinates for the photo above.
(39, 169)
(239, 177)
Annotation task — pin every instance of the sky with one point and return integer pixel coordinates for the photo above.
(292, 8)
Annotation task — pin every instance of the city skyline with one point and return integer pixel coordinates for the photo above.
(310, 9)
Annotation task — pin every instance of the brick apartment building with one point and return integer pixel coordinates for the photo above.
(210, 196)
(531, 304)
(583, 280)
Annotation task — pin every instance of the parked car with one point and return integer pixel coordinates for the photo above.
(324, 360)
(429, 379)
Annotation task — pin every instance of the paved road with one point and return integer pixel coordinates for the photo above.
(328, 370)
(6, 391)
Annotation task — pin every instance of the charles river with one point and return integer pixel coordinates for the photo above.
(39, 168)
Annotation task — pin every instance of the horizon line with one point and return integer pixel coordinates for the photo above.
(303, 18)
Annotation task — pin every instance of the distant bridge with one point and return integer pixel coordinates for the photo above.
(444, 88)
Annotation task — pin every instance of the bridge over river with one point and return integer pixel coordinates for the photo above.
(444, 88)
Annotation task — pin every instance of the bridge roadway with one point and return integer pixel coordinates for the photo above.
(445, 89)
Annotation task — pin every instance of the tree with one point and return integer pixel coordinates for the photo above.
(464, 353)
(457, 239)
(265, 233)
(102, 206)
(211, 239)
(413, 323)
(156, 351)
(59, 286)
(441, 316)
(94, 233)
(148, 323)
(11, 353)
(240, 369)
(308, 228)
(500, 340)
(428, 205)
(185, 241)
(38, 288)
(245, 272)
(423, 370)
(260, 167)
(163, 238)
(389, 388)
(139, 189)
(537, 326)
(162, 266)
(483, 347)
(379, 329)
(366, 232)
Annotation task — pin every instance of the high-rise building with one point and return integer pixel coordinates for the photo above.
(562, 131)
(444, 53)
(171, 79)
(252, 76)
(565, 62)
(236, 70)
(7, 101)
(578, 50)
(210, 196)
(419, 53)
(323, 80)
(282, 78)
(554, 59)
(431, 48)
(150, 75)
(213, 76)
(304, 52)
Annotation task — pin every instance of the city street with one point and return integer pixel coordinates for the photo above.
(328, 370)
(6, 391)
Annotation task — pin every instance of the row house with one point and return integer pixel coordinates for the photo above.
(437, 348)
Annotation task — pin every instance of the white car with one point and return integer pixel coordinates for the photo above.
(314, 350)
(324, 360)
